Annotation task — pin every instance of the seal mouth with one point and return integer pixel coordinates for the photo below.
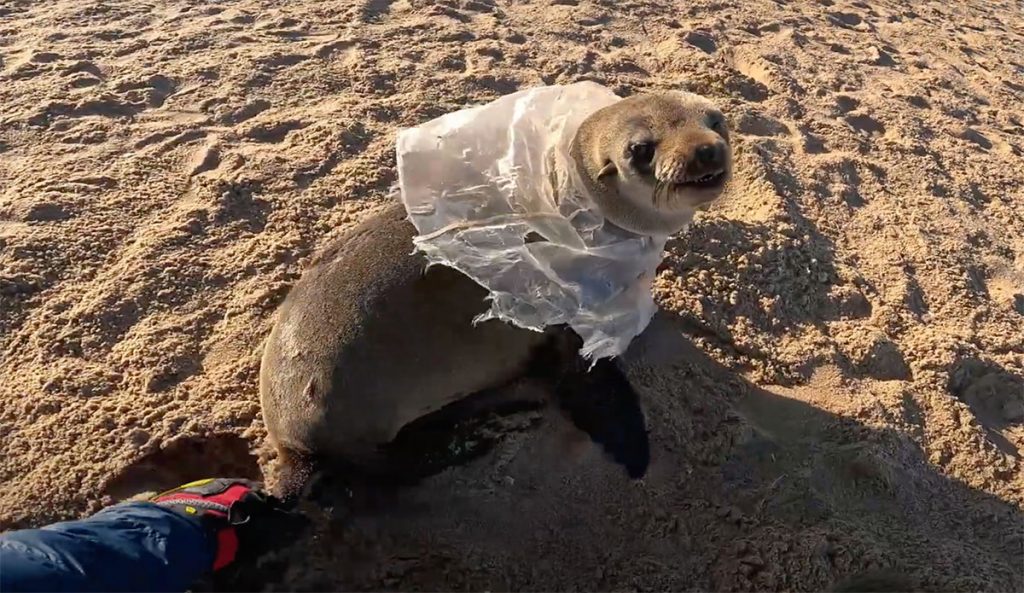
(710, 180)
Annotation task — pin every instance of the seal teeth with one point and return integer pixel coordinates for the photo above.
(705, 178)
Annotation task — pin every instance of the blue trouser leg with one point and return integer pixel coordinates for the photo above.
(127, 547)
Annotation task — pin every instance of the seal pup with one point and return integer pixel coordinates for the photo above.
(367, 341)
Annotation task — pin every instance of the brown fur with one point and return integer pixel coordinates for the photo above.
(367, 341)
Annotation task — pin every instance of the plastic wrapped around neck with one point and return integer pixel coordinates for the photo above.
(493, 192)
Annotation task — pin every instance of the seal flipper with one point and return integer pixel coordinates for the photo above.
(598, 399)
(602, 403)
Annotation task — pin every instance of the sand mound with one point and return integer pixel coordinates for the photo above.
(835, 384)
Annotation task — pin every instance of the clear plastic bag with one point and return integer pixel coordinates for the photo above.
(493, 193)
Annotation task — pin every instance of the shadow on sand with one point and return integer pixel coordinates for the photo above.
(747, 490)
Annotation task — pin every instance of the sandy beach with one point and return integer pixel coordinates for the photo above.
(835, 382)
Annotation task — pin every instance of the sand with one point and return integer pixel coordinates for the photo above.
(834, 382)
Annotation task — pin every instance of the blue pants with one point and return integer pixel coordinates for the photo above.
(135, 546)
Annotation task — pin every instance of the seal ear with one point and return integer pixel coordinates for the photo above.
(608, 169)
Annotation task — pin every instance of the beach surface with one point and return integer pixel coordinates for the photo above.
(835, 382)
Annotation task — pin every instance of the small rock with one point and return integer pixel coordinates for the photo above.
(879, 57)
(138, 437)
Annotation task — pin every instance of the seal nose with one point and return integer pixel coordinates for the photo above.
(709, 156)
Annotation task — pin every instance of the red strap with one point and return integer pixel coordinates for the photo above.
(227, 548)
(231, 495)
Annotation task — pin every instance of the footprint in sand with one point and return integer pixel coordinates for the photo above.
(864, 124)
(167, 140)
(151, 92)
(181, 461)
(702, 40)
(44, 57)
(245, 112)
(375, 11)
(207, 158)
(845, 104)
(994, 395)
(751, 123)
(273, 132)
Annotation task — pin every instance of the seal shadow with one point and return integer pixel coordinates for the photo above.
(748, 489)
(596, 402)
(796, 464)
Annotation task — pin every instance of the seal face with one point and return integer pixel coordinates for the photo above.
(651, 160)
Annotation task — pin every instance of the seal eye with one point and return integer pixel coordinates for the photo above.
(641, 154)
(716, 121)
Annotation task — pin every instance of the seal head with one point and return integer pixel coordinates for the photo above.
(650, 161)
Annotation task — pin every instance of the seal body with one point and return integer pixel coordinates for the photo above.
(369, 339)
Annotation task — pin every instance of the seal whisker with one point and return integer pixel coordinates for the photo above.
(669, 194)
(666, 193)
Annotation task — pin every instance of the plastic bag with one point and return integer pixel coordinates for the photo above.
(493, 193)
